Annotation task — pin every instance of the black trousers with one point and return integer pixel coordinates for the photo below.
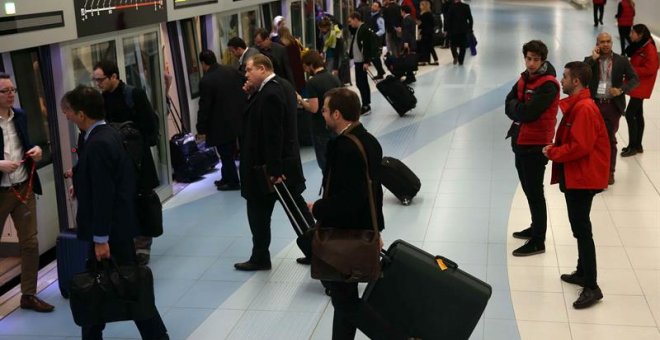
(611, 116)
(635, 120)
(624, 36)
(426, 49)
(458, 44)
(531, 168)
(362, 84)
(260, 211)
(578, 203)
(598, 14)
(227, 154)
(352, 313)
(151, 329)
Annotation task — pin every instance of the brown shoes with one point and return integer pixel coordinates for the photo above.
(36, 304)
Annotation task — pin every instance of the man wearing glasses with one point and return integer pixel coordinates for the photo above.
(19, 183)
(106, 76)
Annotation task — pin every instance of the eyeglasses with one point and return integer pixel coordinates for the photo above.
(9, 90)
(100, 79)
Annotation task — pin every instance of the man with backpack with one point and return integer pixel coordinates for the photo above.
(126, 103)
(362, 50)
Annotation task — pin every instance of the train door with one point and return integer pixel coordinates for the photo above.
(139, 57)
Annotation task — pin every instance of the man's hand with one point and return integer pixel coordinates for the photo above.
(365, 66)
(310, 206)
(34, 153)
(102, 251)
(545, 150)
(249, 88)
(9, 166)
(615, 91)
(595, 53)
(277, 180)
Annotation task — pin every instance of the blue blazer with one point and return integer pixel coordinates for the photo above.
(104, 183)
(20, 122)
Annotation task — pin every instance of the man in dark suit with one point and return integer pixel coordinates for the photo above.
(239, 49)
(19, 182)
(106, 76)
(105, 188)
(613, 77)
(407, 29)
(269, 154)
(361, 49)
(221, 104)
(458, 24)
(276, 53)
(345, 204)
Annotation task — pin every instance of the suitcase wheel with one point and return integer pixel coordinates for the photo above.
(406, 201)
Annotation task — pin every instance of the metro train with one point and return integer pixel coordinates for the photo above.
(49, 47)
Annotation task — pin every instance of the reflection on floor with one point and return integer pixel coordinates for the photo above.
(468, 206)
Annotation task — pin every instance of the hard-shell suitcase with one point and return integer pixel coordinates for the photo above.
(399, 95)
(427, 296)
(72, 254)
(399, 179)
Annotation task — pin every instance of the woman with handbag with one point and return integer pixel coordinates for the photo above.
(347, 243)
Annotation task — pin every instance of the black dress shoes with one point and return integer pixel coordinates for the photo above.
(525, 234)
(36, 304)
(573, 278)
(629, 152)
(532, 247)
(588, 297)
(304, 260)
(252, 266)
(228, 187)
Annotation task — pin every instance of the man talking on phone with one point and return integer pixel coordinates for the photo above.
(613, 77)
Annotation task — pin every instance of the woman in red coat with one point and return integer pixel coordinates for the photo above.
(625, 15)
(644, 59)
(294, 50)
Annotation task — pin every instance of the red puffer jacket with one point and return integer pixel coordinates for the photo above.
(645, 63)
(581, 144)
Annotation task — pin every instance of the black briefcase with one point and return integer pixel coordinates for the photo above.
(427, 296)
(150, 214)
(109, 293)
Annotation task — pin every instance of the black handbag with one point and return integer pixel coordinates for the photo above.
(348, 255)
(150, 214)
(109, 293)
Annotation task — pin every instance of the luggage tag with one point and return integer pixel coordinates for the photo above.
(602, 88)
(441, 264)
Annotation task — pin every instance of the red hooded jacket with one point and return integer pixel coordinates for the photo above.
(581, 144)
(645, 63)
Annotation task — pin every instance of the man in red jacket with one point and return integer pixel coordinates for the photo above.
(532, 106)
(580, 164)
(599, 8)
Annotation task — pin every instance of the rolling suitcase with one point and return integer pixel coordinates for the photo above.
(399, 95)
(71, 254)
(427, 296)
(302, 225)
(399, 179)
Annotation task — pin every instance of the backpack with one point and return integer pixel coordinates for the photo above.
(132, 141)
(150, 137)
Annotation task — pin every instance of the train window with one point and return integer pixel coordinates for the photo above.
(248, 25)
(310, 24)
(191, 48)
(84, 58)
(296, 19)
(228, 28)
(27, 73)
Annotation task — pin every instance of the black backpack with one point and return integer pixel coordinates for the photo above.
(151, 137)
(132, 141)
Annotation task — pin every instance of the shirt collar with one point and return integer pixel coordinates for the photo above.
(89, 131)
(266, 80)
(11, 115)
(240, 60)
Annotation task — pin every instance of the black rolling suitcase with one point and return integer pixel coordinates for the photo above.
(298, 221)
(426, 296)
(71, 254)
(399, 95)
(399, 179)
(344, 72)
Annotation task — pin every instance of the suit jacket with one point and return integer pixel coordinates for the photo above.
(104, 182)
(270, 138)
(623, 77)
(408, 26)
(116, 110)
(280, 58)
(364, 38)
(459, 19)
(221, 105)
(249, 52)
(345, 202)
(20, 123)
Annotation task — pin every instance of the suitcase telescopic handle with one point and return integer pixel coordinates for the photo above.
(288, 209)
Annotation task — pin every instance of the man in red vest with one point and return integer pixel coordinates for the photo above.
(599, 8)
(532, 105)
(580, 163)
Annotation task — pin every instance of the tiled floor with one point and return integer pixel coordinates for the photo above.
(469, 204)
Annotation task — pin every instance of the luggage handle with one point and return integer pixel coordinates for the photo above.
(171, 108)
(371, 75)
(288, 210)
(441, 260)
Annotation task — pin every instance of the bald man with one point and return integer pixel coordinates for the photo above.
(613, 77)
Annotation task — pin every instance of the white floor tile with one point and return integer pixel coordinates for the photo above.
(539, 330)
(534, 279)
(609, 332)
(624, 310)
(534, 306)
